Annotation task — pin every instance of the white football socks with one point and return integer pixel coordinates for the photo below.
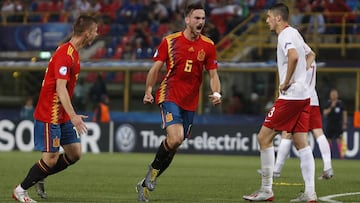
(325, 151)
(267, 167)
(282, 154)
(307, 165)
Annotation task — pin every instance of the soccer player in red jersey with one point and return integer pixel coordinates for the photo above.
(186, 54)
(56, 122)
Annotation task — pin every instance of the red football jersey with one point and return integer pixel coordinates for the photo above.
(64, 64)
(185, 63)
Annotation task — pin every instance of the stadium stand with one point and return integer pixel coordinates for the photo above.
(243, 35)
(119, 20)
(234, 20)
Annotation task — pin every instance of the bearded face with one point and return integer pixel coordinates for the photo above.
(91, 35)
(195, 21)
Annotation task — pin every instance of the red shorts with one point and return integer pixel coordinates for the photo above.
(289, 115)
(315, 120)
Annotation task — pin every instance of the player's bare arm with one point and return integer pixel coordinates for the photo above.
(64, 97)
(310, 58)
(215, 86)
(151, 81)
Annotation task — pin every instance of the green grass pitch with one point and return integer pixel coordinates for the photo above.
(110, 178)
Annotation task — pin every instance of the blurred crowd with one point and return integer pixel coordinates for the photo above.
(327, 11)
(132, 28)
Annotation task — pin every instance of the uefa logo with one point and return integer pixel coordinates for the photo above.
(125, 138)
(34, 37)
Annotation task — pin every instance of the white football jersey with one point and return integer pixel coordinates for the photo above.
(290, 38)
(311, 80)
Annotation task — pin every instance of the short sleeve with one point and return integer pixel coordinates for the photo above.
(161, 53)
(211, 62)
(62, 63)
(286, 42)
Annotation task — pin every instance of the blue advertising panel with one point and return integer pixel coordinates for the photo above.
(33, 37)
(128, 137)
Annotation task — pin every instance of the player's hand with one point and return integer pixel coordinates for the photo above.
(148, 99)
(79, 124)
(284, 87)
(215, 98)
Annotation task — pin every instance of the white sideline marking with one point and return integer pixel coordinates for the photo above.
(329, 197)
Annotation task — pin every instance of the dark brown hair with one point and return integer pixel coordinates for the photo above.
(193, 6)
(281, 9)
(82, 23)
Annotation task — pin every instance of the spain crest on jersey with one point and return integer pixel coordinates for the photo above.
(201, 55)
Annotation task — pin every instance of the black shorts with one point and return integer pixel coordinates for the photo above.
(334, 133)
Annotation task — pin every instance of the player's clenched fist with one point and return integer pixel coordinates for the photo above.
(148, 98)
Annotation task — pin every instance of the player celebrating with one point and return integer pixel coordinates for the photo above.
(186, 54)
(56, 123)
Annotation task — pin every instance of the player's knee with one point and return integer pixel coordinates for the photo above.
(74, 159)
(50, 162)
(264, 141)
(174, 143)
(50, 159)
(300, 144)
